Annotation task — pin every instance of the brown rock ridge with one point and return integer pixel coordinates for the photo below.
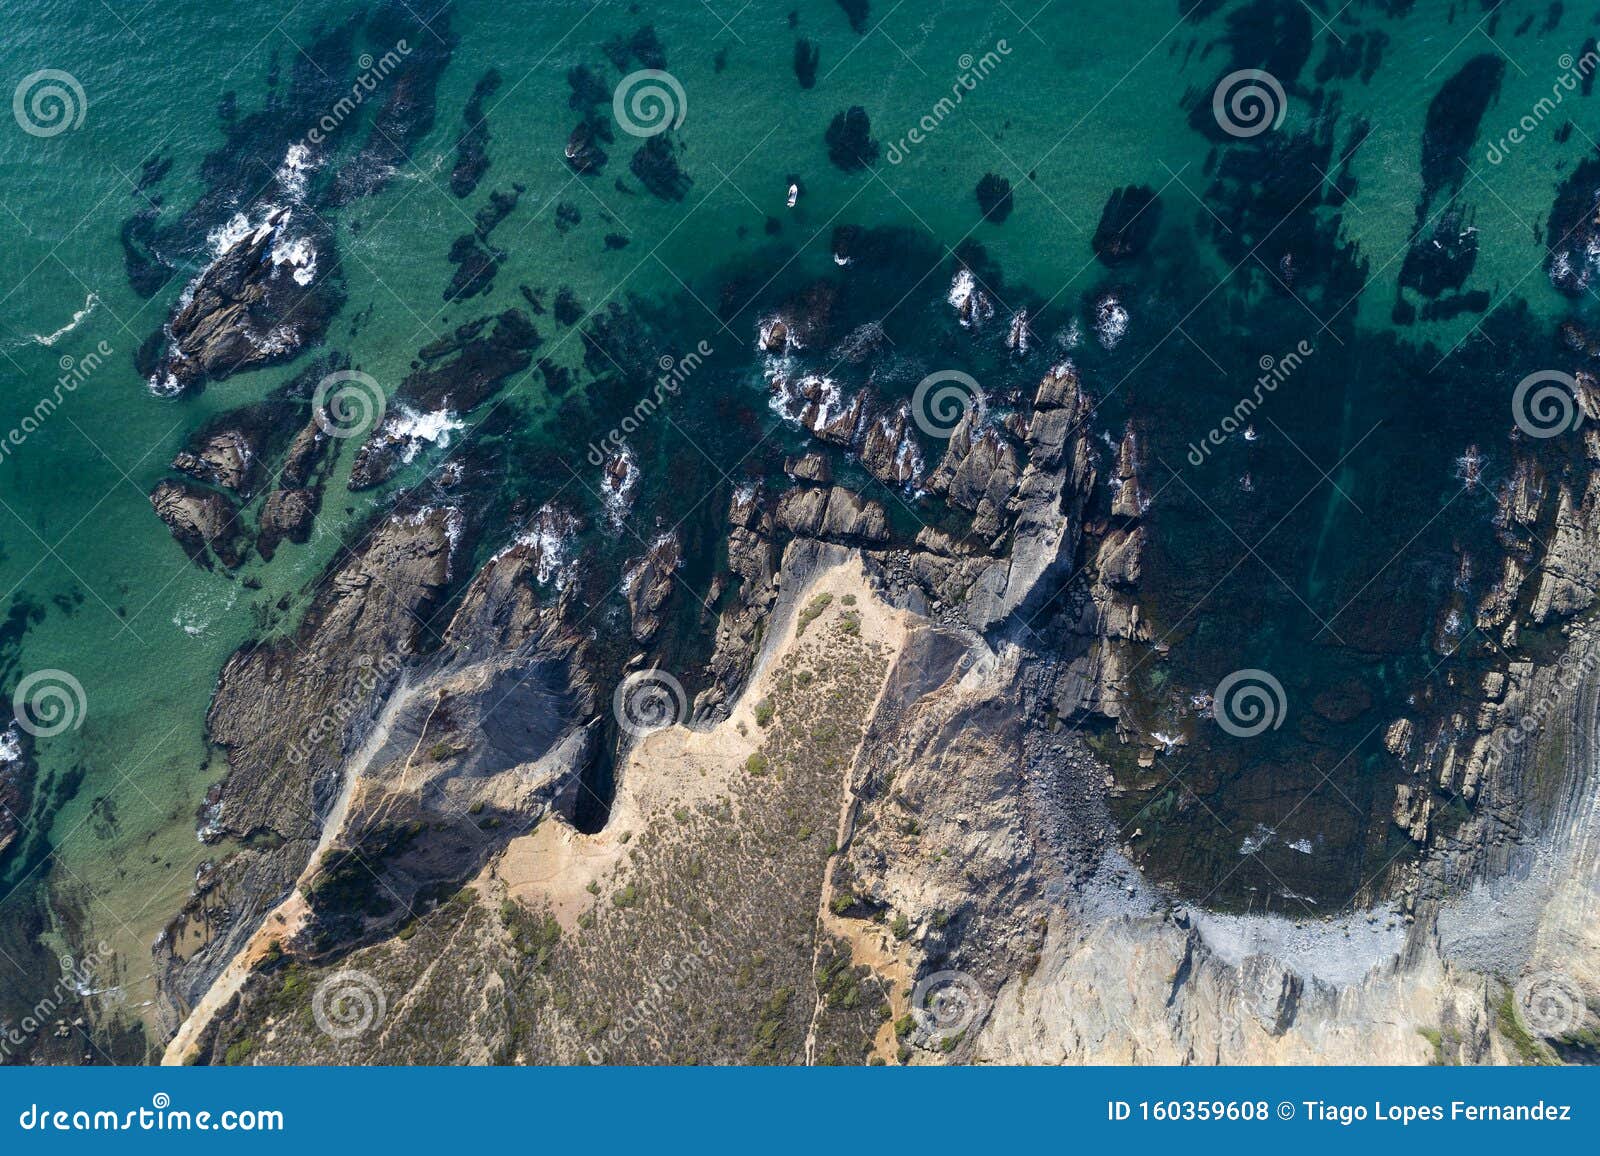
(247, 310)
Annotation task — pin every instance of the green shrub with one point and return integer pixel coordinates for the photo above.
(812, 612)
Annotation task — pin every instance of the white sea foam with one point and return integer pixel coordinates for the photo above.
(299, 252)
(89, 304)
(1110, 322)
(407, 425)
(617, 490)
(10, 746)
(229, 234)
(968, 300)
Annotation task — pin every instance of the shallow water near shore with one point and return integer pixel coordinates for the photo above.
(1324, 551)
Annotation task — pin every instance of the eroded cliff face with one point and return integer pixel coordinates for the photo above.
(878, 835)
(378, 755)
(688, 930)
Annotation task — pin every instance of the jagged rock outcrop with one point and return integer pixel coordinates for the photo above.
(817, 404)
(836, 515)
(1046, 500)
(810, 468)
(889, 447)
(1570, 571)
(225, 458)
(371, 610)
(370, 727)
(458, 372)
(647, 584)
(753, 559)
(978, 474)
(204, 522)
(254, 305)
(286, 515)
(287, 713)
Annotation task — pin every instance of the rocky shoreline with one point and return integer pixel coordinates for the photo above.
(977, 837)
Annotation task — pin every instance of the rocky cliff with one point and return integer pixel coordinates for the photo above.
(880, 835)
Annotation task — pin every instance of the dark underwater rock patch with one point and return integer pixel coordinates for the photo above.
(1453, 119)
(472, 150)
(655, 163)
(994, 197)
(1573, 236)
(1128, 223)
(849, 138)
(806, 58)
